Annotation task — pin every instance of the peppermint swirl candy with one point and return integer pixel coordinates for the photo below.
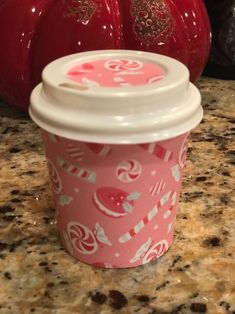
(129, 171)
(123, 65)
(56, 182)
(183, 151)
(156, 251)
(82, 239)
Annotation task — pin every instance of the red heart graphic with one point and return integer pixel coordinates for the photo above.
(87, 66)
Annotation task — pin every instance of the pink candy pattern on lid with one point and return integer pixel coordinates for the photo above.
(116, 73)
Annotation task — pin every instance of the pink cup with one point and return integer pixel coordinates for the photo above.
(116, 186)
(116, 204)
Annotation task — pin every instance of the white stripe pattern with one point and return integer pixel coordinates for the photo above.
(157, 188)
(104, 151)
(152, 213)
(167, 156)
(139, 226)
(151, 148)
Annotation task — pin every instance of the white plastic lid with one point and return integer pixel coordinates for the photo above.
(116, 97)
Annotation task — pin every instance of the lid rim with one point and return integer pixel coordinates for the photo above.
(115, 139)
(131, 115)
(149, 137)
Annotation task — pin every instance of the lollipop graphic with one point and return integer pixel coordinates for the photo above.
(156, 251)
(141, 251)
(123, 65)
(158, 151)
(82, 239)
(129, 171)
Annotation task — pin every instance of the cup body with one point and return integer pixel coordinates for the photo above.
(116, 205)
(116, 126)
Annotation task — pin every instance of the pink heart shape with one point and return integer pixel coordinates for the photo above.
(87, 66)
(84, 68)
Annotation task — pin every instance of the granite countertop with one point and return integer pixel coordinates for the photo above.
(195, 276)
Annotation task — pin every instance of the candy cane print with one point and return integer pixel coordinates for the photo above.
(149, 217)
(176, 173)
(78, 172)
(172, 196)
(138, 227)
(170, 226)
(183, 151)
(74, 152)
(100, 149)
(158, 151)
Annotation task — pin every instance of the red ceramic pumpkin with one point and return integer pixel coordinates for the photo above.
(35, 32)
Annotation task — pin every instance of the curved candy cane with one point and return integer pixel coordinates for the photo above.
(78, 172)
(158, 151)
(100, 149)
(172, 196)
(138, 227)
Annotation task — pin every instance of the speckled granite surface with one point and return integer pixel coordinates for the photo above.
(195, 276)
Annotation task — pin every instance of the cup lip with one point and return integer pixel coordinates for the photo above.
(134, 139)
(128, 115)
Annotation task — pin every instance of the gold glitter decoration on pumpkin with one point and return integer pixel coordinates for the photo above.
(83, 10)
(152, 20)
